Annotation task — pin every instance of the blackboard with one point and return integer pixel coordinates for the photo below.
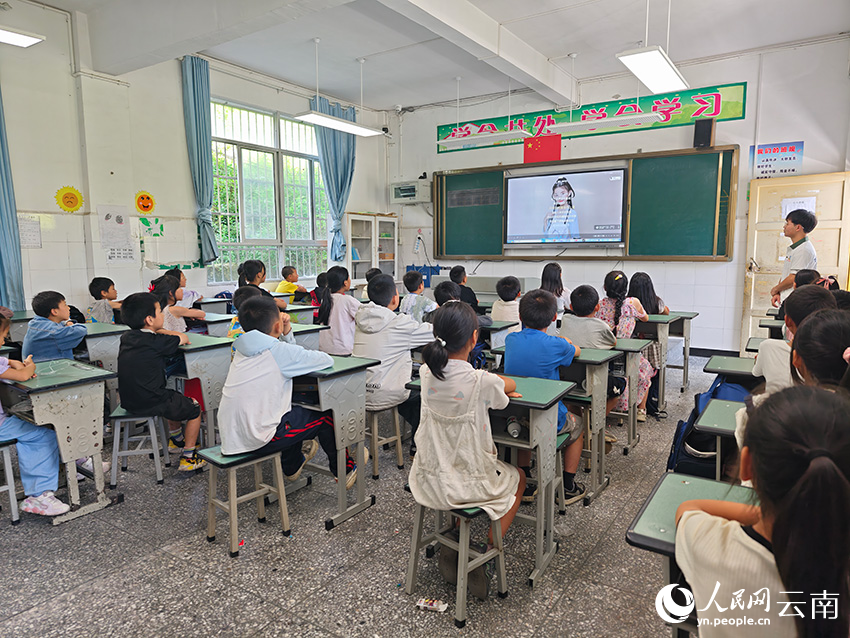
(679, 206)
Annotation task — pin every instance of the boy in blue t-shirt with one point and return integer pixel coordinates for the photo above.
(52, 334)
(533, 353)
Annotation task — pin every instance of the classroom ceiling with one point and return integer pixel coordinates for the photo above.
(414, 49)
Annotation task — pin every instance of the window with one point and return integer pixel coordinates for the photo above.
(269, 200)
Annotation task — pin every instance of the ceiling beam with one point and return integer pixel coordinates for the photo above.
(465, 25)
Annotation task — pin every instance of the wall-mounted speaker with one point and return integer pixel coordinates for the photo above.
(704, 133)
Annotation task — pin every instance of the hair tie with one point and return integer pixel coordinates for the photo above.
(441, 341)
(814, 453)
(151, 287)
(618, 277)
(846, 356)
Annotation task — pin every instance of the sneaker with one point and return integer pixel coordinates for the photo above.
(412, 449)
(479, 578)
(45, 504)
(448, 560)
(308, 451)
(351, 475)
(576, 494)
(87, 464)
(610, 438)
(191, 463)
(641, 415)
(175, 444)
(529, 493)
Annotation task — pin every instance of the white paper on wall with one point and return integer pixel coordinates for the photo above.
(793, 203)
(116, 236)
(29, 229)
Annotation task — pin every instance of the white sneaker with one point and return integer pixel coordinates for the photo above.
(45, 504)
(87, 464)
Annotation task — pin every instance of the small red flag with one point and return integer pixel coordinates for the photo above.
(545, 148)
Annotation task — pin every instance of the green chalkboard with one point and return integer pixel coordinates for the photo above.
(473, 213)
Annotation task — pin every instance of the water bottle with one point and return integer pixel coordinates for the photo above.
(514, 428)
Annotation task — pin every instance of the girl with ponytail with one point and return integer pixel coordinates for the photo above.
(168, 292)
(456, 465)
(795, 542)
(252, 273)
(621, 313)
(337, 311)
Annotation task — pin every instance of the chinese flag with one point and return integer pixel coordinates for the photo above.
(545, 148)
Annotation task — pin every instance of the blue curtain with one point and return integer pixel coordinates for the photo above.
(336, 157)
(196, 113)
(11, 267)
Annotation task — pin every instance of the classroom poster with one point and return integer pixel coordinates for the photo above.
(680, 108)
(776, 160)
(116, 236)
(29, 230)
(793, 203)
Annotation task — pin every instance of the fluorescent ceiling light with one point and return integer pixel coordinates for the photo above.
(19, 38)
(329, 121)
(652, 67)
(457, 142)
(621, 120)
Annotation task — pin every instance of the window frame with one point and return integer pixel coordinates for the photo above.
(281, 241)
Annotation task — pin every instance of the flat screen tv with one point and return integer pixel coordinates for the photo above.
(573, 208)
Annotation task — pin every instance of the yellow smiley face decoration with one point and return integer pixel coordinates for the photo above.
(69, 199)
(145, 202)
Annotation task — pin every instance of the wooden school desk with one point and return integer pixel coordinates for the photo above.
(654, 527)
(217, 324)
(539, 405)
(659, 325)
(20, 323)
(67, 395)
(774, 327)
(682, 328)
(307, 334)
(633, 349)
(718, 419)
(208, 359)
(736, 369)
(103, 341)
(342, 389)
(753, 344)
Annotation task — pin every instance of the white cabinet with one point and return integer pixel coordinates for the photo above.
(372, 243)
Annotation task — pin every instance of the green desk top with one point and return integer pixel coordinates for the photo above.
(281, 294)
(663, 318)
(60, 373)
(718, 418)
(729, 365)
(499, 350)
(22, 315)
(211, 300)
(597, 356)
(538, 394)
(215, 317)
(680, 314)
(100, 329)
(300, 308)
(771, 323)
(205, 342)
(344, 365)
(772, 312)
(5, 351)
(753, 344)
(303, 328)
(499, 325)
(485, 305)
(654, 527)
(631, 345)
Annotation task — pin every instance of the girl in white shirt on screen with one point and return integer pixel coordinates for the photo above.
(794, 543)
(562, 221)
(337, 311)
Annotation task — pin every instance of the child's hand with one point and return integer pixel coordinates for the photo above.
(201, 314)
(286, 321)
(29, 367)
(514, 395)
(184, 340)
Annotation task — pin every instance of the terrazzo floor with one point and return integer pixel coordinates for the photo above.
(144, 567)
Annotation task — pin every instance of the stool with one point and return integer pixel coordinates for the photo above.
(468, 559)
(123, 419)
(377, 440)
(9, 477)
(231, 463)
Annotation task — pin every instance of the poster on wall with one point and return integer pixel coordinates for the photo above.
(152, 226)
(29, 229)
(116, 236)
(776, 160)
(793, 203)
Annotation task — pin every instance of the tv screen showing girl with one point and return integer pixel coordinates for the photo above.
(566, 208)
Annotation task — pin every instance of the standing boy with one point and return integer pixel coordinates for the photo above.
(141, 374)
(533, 353)
(415, 303)
(52, 334)
(105, 295)
(800, 254)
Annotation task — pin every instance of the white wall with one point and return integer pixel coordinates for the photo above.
(110, 138)
(805, 96)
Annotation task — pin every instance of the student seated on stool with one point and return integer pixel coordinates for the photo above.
(256, 411)
(382, 334)
(456, 466)
(38, 451)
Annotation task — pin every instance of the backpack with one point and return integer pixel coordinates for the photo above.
(693, 452)
(476, 358)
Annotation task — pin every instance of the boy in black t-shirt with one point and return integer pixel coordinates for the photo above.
(141, 374)
(458, 275)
